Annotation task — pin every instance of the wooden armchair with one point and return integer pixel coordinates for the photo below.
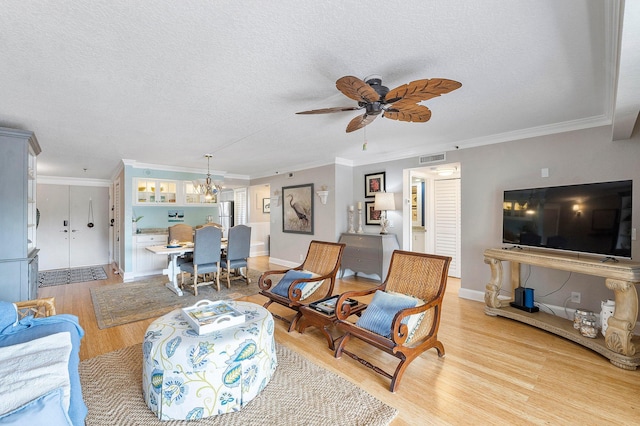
(423, 277)
(39, 308)
(313, 280)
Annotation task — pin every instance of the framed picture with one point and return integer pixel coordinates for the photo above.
(373, 216)
(266, 205)
(297, 209)
(374, 182)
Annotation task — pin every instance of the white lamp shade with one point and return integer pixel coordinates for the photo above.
(384, 201)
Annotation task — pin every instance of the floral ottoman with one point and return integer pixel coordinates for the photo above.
(189, 376)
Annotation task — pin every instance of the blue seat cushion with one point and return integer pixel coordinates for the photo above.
(282, 288)
(378, 317)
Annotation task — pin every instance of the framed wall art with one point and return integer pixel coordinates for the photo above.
(372, 216)
(266, 205)
(374, 182)
(297, 209)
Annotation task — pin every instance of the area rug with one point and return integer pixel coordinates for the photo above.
(299, 393)
(123, 303)
(68, 276)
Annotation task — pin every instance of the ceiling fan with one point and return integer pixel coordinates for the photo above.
(400, 103)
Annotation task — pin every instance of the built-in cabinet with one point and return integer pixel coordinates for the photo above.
(368, 253)
(154, 192)
(144, 261)
(18, 220)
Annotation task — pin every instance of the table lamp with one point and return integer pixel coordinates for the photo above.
(384, 201)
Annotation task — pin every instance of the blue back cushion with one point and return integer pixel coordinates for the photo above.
(378, 316)
(282, 288)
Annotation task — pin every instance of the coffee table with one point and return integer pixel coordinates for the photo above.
(312, 317)
(188, 376)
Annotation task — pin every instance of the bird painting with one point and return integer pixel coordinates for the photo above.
(298, 209)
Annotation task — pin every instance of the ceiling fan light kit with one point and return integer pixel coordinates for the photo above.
(401, 103)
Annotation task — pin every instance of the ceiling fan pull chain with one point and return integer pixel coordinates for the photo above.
(364, 145)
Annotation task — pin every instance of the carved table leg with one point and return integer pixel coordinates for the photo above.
(495, 284)
(621, 324)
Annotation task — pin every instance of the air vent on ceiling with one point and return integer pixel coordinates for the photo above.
(429, 159)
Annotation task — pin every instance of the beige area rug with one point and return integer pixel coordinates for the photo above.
(299, 393)
(123, 303)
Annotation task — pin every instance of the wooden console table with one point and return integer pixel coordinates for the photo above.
(619, 344)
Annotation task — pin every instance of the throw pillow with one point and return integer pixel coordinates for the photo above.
(44, 410)
(282, 288)
(378, 317)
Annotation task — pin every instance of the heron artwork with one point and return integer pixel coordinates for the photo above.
(298, 209)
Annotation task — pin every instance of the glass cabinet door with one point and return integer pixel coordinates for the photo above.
(146, 190)
(166, 192)
(193, 196)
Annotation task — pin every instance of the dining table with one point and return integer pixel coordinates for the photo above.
(173, 269)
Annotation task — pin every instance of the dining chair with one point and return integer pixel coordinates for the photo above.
(403, 317)
(184, 234)
(238, 251)
(206, 257)
(313, 280)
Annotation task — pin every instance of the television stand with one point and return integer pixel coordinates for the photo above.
(619, 345)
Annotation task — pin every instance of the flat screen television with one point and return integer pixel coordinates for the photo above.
(590, 218)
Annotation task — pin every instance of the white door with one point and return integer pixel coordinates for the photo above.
(447, 222)
(65, 238)
(53, 231)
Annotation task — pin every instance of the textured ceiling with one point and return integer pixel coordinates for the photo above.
(165, 82)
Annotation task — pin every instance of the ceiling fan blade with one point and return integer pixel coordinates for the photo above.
(421, 90)
(359, 122)
(356, 89)
(328, 110)
(407, 110)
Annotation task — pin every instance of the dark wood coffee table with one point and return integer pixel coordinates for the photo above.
(312, 317)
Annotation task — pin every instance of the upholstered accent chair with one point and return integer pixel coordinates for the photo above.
(206, 257)
(237, 253)
(184, 234)
(403, 317)
(39, 359)
(313, 280)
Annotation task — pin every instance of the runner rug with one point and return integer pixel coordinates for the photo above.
(68, 276)
(299, 393)
(123, 303)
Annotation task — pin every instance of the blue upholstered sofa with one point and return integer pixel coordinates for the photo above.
(37, 353)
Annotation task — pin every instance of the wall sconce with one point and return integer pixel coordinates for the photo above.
(275, 199)
(578, 209)
(323, 194)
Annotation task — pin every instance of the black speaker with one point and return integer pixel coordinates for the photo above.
(519, 295)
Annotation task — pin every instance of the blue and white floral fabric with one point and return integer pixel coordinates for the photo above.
(189, 376)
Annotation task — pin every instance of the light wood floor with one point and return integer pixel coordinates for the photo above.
(496, 371)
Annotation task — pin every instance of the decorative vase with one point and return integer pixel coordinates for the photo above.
(134, 227)
(608, 306)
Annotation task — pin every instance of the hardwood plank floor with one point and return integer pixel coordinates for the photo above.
(496, 371)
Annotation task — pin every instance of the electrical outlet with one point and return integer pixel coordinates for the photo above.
(575, 297)
(302, 258)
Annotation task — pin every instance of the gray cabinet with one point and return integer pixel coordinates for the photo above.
(18, 252)
(368, 253)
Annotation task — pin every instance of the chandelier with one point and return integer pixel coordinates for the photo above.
(209, 189)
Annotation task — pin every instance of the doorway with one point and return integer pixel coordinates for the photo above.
(432, 214)
(74, 226)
